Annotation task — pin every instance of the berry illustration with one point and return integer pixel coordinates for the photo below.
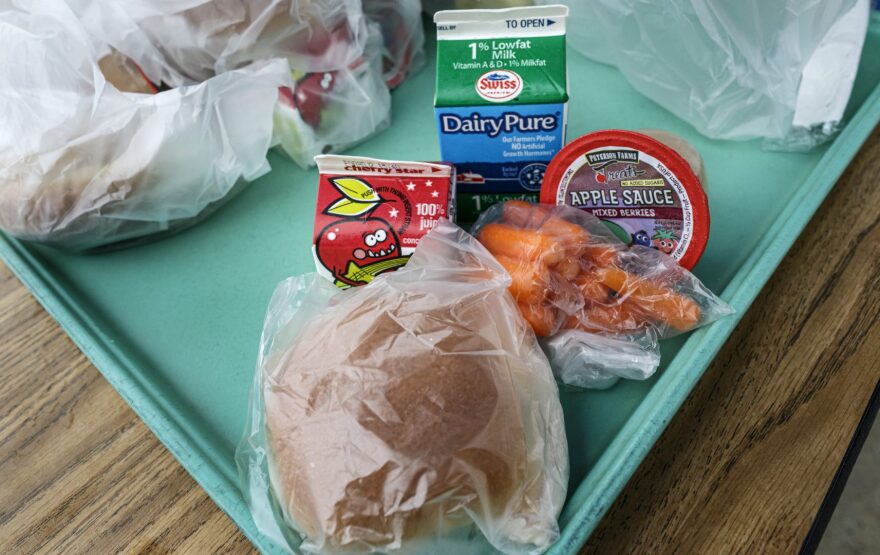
(363, 241)
(642, 238)
(310, 96)
(665, 241)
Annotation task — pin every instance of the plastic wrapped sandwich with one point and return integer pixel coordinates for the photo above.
(414, 414)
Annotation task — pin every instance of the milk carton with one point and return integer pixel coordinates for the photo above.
(501, 99)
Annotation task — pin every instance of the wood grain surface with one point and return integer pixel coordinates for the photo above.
(743, 467)
(745, 464)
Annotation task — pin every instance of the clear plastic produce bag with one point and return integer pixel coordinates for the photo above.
(781, 70)
(336, 56)
(179, 42)
(402, 35)
(599, 306)
(331, 111)
(596, 361)
(416, 414)
(83, 164)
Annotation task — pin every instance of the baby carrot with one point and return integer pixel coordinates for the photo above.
(600, 254)
(506, 240)
(658, 302)
(619, 317)
(522, 214)
(534, 216)
(529, 280)
(592, 288)
(568, 268)
(542, 318)
(564, 230)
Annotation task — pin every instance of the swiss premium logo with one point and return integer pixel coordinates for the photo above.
(499, 85)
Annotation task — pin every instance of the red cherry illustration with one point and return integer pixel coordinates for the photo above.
(310, 96)
(362, 241)
(285, 96)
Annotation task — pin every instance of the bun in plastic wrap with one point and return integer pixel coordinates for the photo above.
(401, 415)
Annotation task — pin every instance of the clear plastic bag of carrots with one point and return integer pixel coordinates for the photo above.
(599, 305)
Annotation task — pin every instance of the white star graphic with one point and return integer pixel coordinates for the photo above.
(435, 194)
(428, 183)
(410, 186)
(393, 212)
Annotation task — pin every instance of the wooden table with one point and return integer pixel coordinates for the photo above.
(745, 464)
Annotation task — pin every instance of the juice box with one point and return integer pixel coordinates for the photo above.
(501, 100)
(370, 214)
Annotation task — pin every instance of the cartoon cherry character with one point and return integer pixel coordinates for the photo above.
(363, 241)
(665, 241)
(309, 96)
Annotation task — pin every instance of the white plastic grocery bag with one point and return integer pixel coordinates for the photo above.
(781, 70)
(85, 165)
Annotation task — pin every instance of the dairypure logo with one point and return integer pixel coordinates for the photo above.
(499, 85)
(506, 123)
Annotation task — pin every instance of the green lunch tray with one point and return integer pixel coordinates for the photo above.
(174, 325)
